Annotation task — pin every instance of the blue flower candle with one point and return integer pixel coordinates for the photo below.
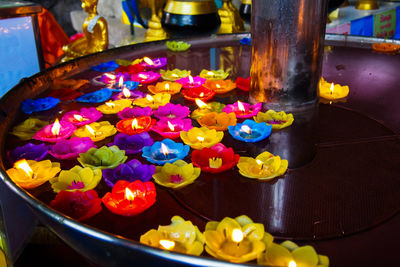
(165, 151)
(250, 131)
(106, 66)
(98, 96)
(29, 106)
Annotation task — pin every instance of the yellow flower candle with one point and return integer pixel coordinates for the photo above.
(236, 240)
(30, 174)
(264, 167)
(171, 88)
(218, 121)
(113, 107)
(277, 120)
(332, 91)
(176, 175)
(160, 99)
(173, 75)
(198, 138)
(180, 236)
(214, 74)
(96, 130)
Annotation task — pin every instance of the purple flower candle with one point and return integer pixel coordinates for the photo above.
(56, 131)
(191, 82)
(171, 128)
(132, 144)
(70, 149)
(172, 111)
(152, 64)
(145, 77)
(243, 110)
(29, 152)
(83, 116)
(130, 171)
(128, 113)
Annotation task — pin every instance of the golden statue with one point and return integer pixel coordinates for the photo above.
(366, 4)
(155, 31)
(96, 34)
(231, 22)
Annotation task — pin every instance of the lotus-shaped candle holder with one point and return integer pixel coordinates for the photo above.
(385, 47)
(201, 93)
(132, 144)
(264, 167)
(180, 236)
(288, 253)
(214, 74)
(128, 113)
(198, 138)
(153, 101)
(236, 240)
(178, 46)
(171, 128)
(113, 107)
(243, 83)
(243, 110)
(106, 66)
(66, 94)
(96, 131)
(29, 174)
(207, 108)
(220, 86)
(129, 199)
(29, 152)
(82, 117)
(115, 80)
(135, 125)
(71, 148)
(172, 111)
(218, 121)
(77, 178)
(250, 131)
(128, 94)
(332, 91)
(176, 175)
(190, 82)
(78, 205)
(175, 74)
(277, 120)
(216, 159)
(54, 132)
(166, 151)
(28, 128)
(153, 64)
(146, 77)
(130, 171)
(29, 106)
(98, 96)
(103, 157)
(131, 69)
(166, 87)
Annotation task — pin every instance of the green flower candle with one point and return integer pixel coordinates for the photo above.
(103, 157)
(28, 128)
(277, 120)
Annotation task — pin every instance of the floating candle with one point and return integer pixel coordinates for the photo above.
(180, 236)
(249, 131)
(171, 88)
(277, 120)
(264, 167)
(154, 101)
(128, 113)
(78, 205)
(113, 107)
(206, 108)
(176, 175)
(129, 199)
(66, 94)
(145, 77)
(135, 125)
(332, 91)
(103, 157)
(218, 121)
(165, 151)
(114, 81)
(177, 46)
(152, 64)
(214, 74)
(28, 128)
(190, 82)
(71, 148)
(171, 128)
(132, 144)
(29, 106)
(386, 47)
(97, 131)
(77, 178)
(172, 111)
(243, 110)
(29, 152)
(82, 117)
(173, 75)
(130, 69)
(106, 66)
(96, 97)
(243, 83)
(128, 94)
(216, 159)
(198, 138)
(220, 86)
(201, 93)
(56, 131)
(30, 174)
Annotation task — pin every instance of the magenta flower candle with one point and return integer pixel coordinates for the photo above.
(114, 81)
(171, 128)
(70, 149)
(152, 64)
(55, 131)
(172, 111)
(128, 113)
(243, 110)
(191, 82)
(82, 117)
(145, 77)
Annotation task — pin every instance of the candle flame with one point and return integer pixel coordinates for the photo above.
(134, 124)
(167, 244)
(171, 126)
(217, 85)
(148, 61)
(142, 76)
(23, 165)
(241, 107)
(164, 149)
(246, 129)
(129, 194)
(200, 103)
(111, 76)
(292, 264)
(90, 129)
(200, 138)
(150, 98)
(174, 75)
(126, 93)
(237, 235)
(191, 79)
(55, 129)
(78, 117)
(121, 81)
(332, 88)
(259, 162)
(167, 86)
(110, 105)
(201, 94)
(210, 73)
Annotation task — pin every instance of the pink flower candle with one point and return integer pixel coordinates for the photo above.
(171, 128)
(191, 82)
(56, 131)
(243, 110)
(71, 148)
(82, 117)
(145, 77)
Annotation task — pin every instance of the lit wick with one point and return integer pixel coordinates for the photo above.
(260, 164)
(237, 236)
(55, 129)
(246, 129)
(23, 165)
(191, 81)
(164, 150)
(331, 91)
(201, 104)
(171, 126)
(90, 130)
(201, 139)
(167, 244)
(121, 82)
(126, 93)
(150, 99)
(241, 107)
(292, 264)
(129, 195)
(148, 61)
(166, 87)
(110, 105)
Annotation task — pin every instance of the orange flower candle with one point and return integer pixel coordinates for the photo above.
(218, 121)
(220, 86)
(165, 87)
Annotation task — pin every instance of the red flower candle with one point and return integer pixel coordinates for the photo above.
(129, 199)
(135, 125)
(243, 83)
(216, 159)
(201, 93)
